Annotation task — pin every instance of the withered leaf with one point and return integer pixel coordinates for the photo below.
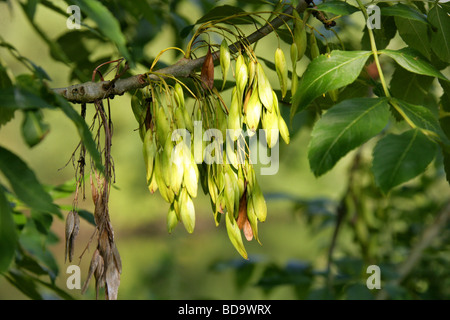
(117, 258)
(70, 220)
(93, 190)
(207, 74)
(76, 229)
(99, 275)
(92, 268)
(103, 245)
(112, 280)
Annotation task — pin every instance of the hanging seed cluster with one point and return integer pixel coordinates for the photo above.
(176, 163)
(175, 169)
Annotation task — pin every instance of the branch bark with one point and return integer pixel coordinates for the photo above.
(89, 92)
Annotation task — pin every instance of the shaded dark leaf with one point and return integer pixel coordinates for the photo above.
(227, 12)
(25, 184)
(8, 235)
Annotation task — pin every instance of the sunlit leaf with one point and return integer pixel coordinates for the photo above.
(403, 11)
(344, 127)
(327, 72)
(412, 61)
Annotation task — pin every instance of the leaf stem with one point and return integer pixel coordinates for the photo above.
(374, 50)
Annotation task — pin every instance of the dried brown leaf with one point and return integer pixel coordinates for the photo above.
(117, 258)
(92, 268)
(242, 215)
(76, 229)
(207, 74)
(93, 190)
(112, 280)
(68, 231)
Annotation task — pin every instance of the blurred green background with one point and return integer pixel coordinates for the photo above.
(158, 265)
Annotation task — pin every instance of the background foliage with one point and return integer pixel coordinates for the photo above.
(321, 233)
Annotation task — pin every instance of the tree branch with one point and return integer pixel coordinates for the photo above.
(89, 92)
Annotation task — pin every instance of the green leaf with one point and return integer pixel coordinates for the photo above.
(356, 89)
(30, 8)
(446, 156)
(19, 98)
(344, 127)
(36, 243)
(27, 262)
(24, 283)
(445, 98)
(403, 11)
(107, 23)
(72, 45)
(5, 81)
(42, 221)
(25, 184)
(440, 39)
(186, 30)
(33, 128)
(415, 35)
(6, 114)
(60, 292)
(327, 72)
(8, 235)
(423, 118)
(227, 12)
(412, 61)
(63, 190)
(337, 8)
(399, 158)
(88, 216)
(410, 87)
